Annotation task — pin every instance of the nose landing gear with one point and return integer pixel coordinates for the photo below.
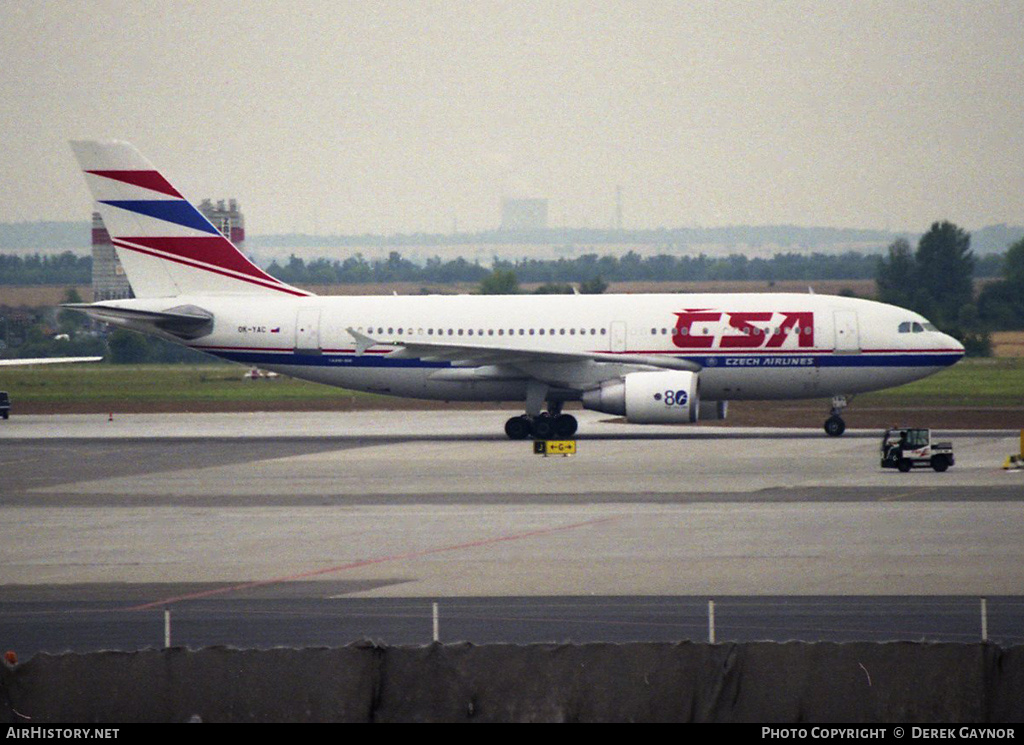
(834, 425)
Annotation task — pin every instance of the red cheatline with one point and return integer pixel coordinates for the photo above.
(367, 562)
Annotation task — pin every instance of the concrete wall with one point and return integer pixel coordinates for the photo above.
(763, 682)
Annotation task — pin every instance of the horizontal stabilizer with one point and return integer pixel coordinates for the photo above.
(185, 321)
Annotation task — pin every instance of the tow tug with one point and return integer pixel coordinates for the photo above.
(908, 448)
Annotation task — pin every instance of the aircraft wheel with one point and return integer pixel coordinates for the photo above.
(565, 425)
(940, 463)
(834, 426)
(904, 465)
(517, 428)
(543, 427)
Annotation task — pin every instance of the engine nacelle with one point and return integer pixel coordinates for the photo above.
(669, 397)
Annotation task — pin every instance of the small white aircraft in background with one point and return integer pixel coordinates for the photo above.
(5, 401)
(650, 358)
(47, 361)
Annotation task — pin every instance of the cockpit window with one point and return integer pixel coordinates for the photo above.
(929, 326)
(918, 328)
(905, 327)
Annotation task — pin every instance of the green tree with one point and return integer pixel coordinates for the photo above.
(593, 286)
(127, 348)
(1013, 264)
(500, 282)
(553, 288)
(944, 271)
(971, 331)
(894, 275)
(71, 321)
(1001, 304)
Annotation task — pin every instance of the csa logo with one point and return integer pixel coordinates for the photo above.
(704, 328)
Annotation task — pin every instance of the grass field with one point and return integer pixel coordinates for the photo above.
(127, 385)
(995, 382)
(991, 382)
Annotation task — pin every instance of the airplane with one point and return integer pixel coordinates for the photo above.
(653, 359)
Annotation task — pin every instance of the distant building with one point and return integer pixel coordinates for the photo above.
(524, 214)
(228, 220)
(108, 278)
(109, 282)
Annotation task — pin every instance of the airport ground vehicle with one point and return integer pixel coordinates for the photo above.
(5, 405)
(906, 448)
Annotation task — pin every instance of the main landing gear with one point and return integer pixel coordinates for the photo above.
(549, 425)
(545, 426)
(834, 425)
(541, 425)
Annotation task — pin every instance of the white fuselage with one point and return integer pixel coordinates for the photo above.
(748, 346)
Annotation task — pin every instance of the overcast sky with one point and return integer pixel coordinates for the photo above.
(405, 116)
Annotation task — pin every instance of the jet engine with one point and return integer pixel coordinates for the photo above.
(669, 397)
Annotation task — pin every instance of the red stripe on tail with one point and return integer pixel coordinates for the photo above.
(215, 250)
(151, 180)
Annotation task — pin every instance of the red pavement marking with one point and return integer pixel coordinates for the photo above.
(368, 562)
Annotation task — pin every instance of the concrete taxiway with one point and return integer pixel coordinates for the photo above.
(439, 504)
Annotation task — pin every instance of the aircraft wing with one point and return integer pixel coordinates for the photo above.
(498, 362)
(47, 361)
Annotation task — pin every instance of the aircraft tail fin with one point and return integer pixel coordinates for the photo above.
(166, 246)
